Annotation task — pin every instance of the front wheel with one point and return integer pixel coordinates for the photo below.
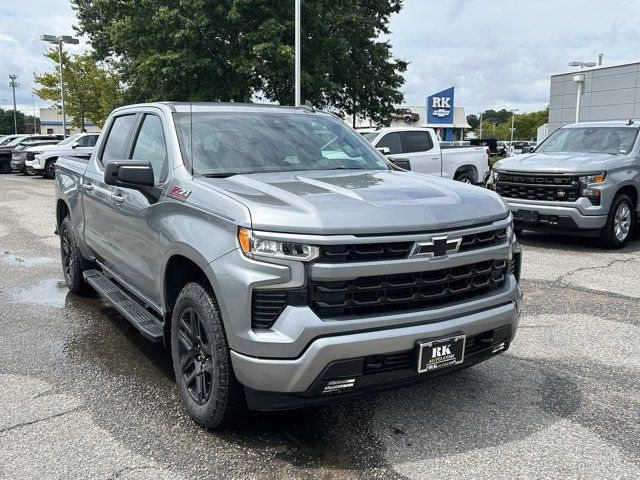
(201, 359)
(5, 166)
(29, 171)
(50, 169)
(620, 223)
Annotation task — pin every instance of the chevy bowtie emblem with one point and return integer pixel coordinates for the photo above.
(437, 247)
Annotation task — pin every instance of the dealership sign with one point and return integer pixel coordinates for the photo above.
(440, 107)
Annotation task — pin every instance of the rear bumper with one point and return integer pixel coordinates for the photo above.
(551, 217)
(304, 376)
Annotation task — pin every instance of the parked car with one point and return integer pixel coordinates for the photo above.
(43, 160)
(406, 115)
(583, 179)
(19, 154)
(502, 148)
(285, 261)
(7, 147)
(491, 145)
(419, 150)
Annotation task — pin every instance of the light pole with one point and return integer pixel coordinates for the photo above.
(298, 11)
(33, 104)
(480, 131)
(513, 118)
(59, 40)
(13, 84)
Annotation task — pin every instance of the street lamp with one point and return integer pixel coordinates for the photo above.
(13, 84)
(59, 40)
(513, 117)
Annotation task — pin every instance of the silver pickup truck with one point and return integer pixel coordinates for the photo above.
(281, 258)
(583, 179)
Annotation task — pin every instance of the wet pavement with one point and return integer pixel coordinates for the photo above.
(83, 395)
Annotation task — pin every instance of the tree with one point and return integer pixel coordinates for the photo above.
(238, 50)
(526, 125)
(6, 122)
(91, 90)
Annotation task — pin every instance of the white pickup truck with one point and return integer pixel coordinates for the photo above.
(418, 149)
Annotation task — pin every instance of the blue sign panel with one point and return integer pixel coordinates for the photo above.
(440, 107)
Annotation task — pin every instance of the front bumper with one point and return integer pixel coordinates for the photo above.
(34, 164)
(17, 164)
(556, 217)
(299, 375)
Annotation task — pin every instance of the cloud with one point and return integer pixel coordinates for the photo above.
(497, 53)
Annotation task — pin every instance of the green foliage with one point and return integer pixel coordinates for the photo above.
(6, 121)
(239, 50)
(91, 90)
(526, 125)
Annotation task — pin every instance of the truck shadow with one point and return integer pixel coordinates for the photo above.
(573, 243)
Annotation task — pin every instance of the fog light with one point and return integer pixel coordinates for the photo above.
(339, 385)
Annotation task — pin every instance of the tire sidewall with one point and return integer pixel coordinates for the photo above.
(463, 176)
(75, 282)
(195, 296)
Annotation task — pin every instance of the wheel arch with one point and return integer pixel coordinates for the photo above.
(468, 168)
(62, 210)
(632, 192)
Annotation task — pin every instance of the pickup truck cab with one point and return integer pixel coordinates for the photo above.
(583, 179)
(419, 150)
(281, 258)
(43, 160)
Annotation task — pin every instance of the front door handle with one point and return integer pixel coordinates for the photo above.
(435, 157)
(87, 187)
(117, 198)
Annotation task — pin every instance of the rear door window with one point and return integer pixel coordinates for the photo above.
(392, 142)
(117, 140)
(414, 142)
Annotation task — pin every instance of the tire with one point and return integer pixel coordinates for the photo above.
(202, 361)
(620, 222)
(465, 177)
(29, 171)
(71, 258)
(407, 120)
(518, 231)
(5, 166)
(49, 169)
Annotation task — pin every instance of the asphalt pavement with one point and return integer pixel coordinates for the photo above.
(82, 395)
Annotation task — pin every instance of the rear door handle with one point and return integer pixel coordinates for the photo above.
(117, 198)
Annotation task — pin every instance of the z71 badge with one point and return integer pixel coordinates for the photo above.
(180, 193)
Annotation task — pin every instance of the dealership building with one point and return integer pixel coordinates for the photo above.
(607, 92)
(51, 123)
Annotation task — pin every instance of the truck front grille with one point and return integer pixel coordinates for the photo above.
(371, 252)
(553, 188)
(403, 292)
(30, 155)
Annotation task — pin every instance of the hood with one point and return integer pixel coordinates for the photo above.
(569, 162)
(46, 146)
(359, 202)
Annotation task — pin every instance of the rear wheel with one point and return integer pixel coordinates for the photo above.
(620, 222)
(465, 177)
(71, 258)
(50, 168)
(202, 361)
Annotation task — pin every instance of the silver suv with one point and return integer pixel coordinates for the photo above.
(280, 256)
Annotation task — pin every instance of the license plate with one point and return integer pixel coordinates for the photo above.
(528, 215)
(442, 353)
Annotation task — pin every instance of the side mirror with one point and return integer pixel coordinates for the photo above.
(384, 150)
(75, 144)
(129, 174)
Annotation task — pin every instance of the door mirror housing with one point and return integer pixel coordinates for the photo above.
(384, 150)
(134, 174)
(75, 144)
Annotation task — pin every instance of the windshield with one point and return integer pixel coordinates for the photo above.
(369, 136)
(69, 139)
(611, 140)
(233, 143)
(15, 141)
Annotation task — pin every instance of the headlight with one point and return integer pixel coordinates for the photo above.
(36, 153)
(595, 178)
(586, 184)
(259, 247)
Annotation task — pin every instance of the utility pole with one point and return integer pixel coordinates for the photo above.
(298, 10)
(481, 125)
(13, 84)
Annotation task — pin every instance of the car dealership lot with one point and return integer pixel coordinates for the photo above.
(87, 397)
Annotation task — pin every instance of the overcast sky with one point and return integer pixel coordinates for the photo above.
(497, 53)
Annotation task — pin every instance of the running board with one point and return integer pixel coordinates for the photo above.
(148, 325)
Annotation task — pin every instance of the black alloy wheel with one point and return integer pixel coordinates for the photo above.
(195, 357)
